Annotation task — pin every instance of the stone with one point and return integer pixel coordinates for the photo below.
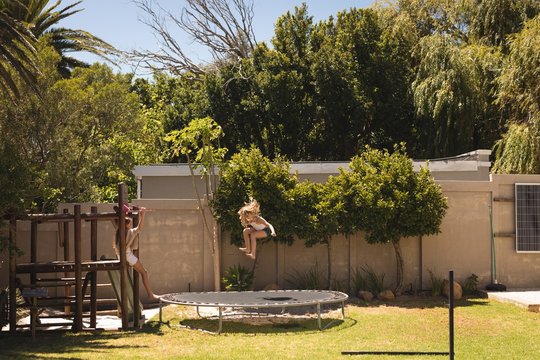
(458, 291)
(272, 286)
(365, 295)
(386, 295)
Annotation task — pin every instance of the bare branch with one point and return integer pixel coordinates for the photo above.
(223, 27)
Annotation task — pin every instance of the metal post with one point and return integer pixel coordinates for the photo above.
(451, 315)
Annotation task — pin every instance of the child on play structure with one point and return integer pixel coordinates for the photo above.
(255, 227)
(131, 244)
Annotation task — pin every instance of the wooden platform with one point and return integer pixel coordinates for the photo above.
(67, 266)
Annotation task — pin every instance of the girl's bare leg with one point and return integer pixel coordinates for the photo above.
(254, 236)
(146, 282)
(253, 241)
(247, 242)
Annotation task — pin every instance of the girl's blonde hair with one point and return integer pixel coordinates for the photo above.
(251, 208)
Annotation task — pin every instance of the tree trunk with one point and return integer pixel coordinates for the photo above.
(329, 252)
(399, 266)
(255, 263)
(216, 257)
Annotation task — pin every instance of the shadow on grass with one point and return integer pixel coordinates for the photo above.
(419, 302)
(241, 327)
(51, 343)
(48, 343)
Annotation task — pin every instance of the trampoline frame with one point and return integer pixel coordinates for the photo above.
(334, 297)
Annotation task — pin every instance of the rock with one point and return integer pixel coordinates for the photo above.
(458, 291)
(272, 286)
(386, 295)
(365, 295)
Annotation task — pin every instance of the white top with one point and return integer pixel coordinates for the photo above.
(258, 226)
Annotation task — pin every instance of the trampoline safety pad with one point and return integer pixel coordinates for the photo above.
(256, 299)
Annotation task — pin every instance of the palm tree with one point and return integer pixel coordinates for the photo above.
(16, 53)
(42, 19)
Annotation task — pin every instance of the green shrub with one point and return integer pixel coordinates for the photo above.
(359, 282)
(311, 279)
(471, 285)
(238, 278)
(436, 284)
(375, 282)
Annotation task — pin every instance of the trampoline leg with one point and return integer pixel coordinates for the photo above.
(220, 322)
(343, 310)
(319, 315)
(198, 314)
(160, 316)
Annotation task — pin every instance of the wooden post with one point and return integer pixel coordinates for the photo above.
(33, 249)
(67, 288)
(12, 244)
(93, 257)
(77, 323)
(122, 199)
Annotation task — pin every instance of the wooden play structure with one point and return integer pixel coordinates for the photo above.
(76, 276)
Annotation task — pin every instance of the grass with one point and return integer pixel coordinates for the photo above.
(484, 330)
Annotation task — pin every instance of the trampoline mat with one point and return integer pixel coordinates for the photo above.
(273, 298)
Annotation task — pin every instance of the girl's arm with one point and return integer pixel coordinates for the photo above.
(273, 233)
(140, 225)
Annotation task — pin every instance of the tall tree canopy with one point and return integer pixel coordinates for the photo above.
(79, 137)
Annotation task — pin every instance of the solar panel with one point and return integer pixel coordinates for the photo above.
(527, 217)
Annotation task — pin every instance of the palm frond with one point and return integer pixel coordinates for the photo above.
(16, 53)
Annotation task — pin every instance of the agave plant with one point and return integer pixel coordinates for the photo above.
(238, 278)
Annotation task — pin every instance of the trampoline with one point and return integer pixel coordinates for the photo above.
(256, 300)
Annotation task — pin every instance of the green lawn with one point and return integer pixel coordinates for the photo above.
(484, 330)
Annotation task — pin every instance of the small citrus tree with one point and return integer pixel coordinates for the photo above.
(393, 200)
(197, 142)
(249, 174)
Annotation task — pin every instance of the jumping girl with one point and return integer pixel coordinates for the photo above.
(255, 227)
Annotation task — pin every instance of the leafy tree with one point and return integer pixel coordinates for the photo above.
(517, 152)
(492, 21)
(518, 96)
(197, 142)
(393, 200)
(80, 136)
(447, 91)
(42, 20)
(519, 83)
(175, 100)
(249, 174)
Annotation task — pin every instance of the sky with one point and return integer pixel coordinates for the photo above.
(120, 22)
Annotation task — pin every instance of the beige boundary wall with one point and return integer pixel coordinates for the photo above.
(176, 251)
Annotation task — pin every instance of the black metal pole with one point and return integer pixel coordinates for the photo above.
(451, 315)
